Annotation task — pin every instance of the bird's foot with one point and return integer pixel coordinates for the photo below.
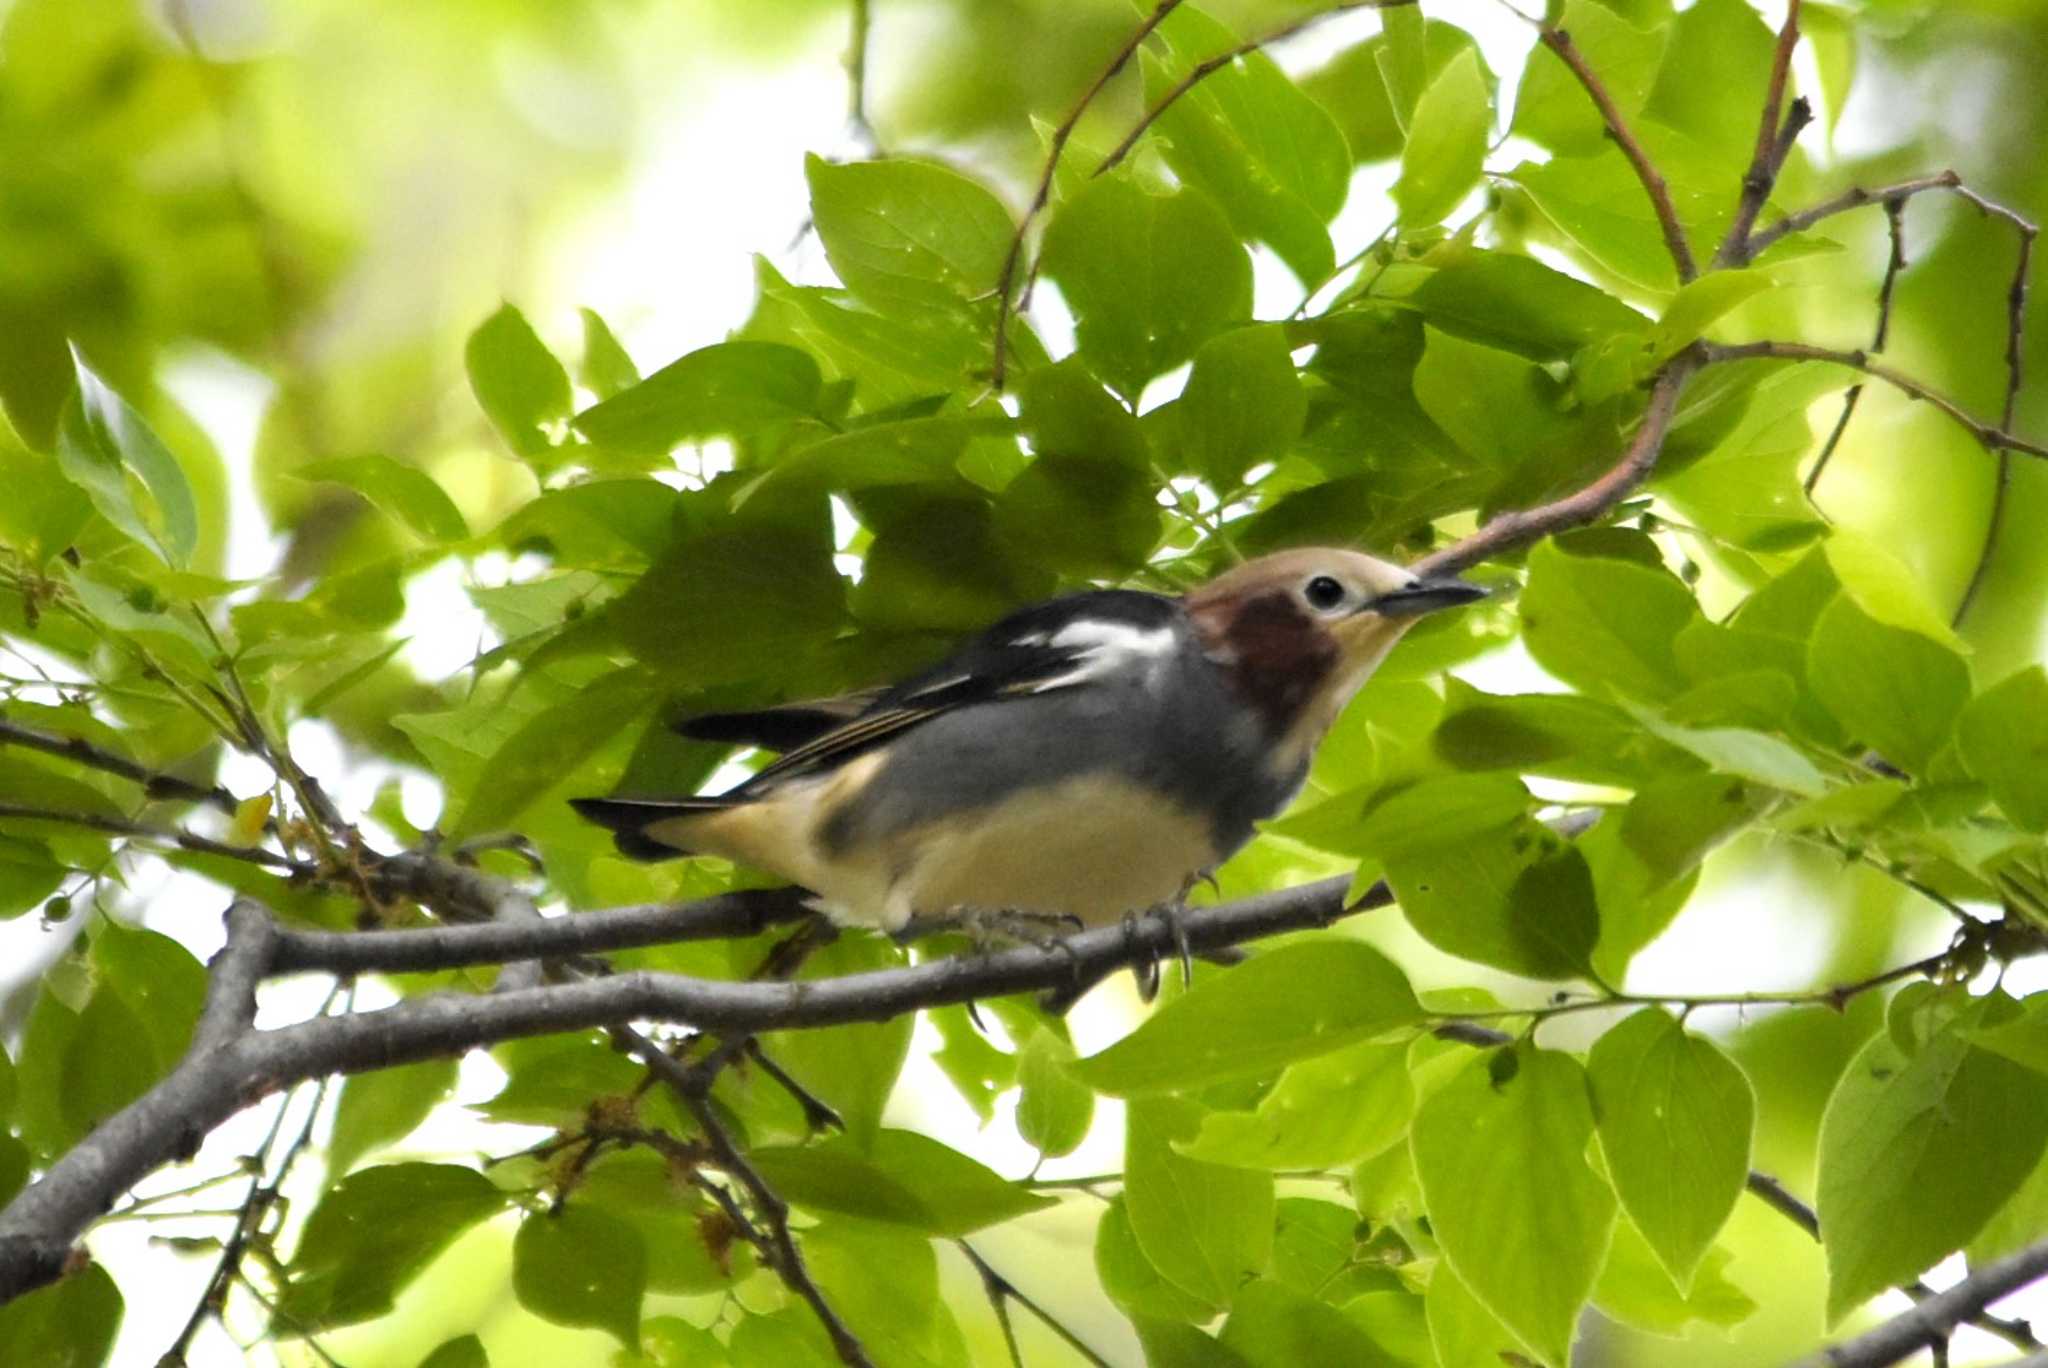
(1146, 970)
(992, 927)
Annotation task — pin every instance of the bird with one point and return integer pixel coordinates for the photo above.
(1087, 758)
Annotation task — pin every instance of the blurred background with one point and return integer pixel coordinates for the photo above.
(273, 223)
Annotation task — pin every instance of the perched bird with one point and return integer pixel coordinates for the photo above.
(1087, 757)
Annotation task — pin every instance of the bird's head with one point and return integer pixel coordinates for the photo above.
(1298, 632)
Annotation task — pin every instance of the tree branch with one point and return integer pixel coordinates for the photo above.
(1209, 66)
(1773, 145)
(1932, 1321)
(185, 840)
(1653, 182)
(155, 784)
(2015, 363)
(1006, 279)
(777, 1246)
(1989, 437)
(1895, 262)
(1516, 527)
(208, 1086)
(1780, 1199)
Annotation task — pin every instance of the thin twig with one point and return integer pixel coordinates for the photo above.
(779, 1248)
(1518, 526)
(155, 783)
(1773, 145)
(1209, 66)
(1895, 262)
(1653, 182)
(1002, 1291)
(857, 74)
(184, 840)
(1994, 523)
(1006, 279)
(1989, 437)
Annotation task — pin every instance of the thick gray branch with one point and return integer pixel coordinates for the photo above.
(243, 1066)
(1932, 1321)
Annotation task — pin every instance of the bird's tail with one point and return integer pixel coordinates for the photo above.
(629, 820)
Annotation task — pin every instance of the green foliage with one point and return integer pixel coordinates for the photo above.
(1761, 689)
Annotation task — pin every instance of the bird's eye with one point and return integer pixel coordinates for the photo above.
(1324, 593)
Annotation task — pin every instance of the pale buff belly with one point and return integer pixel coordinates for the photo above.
(1093, 848)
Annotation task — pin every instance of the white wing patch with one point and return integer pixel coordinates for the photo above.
(1108, 648)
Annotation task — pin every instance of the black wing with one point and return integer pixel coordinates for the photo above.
(1021, 655)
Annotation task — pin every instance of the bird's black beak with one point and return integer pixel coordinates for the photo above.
(1425, 596)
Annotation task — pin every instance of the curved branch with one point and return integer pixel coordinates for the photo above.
(1513, 528)
(155, 784)
(1653, 182)
(1932, 1321)
(1209, 66)
(1989, 437)
(1006, 279)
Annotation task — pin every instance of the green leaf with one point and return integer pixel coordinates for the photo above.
(1521, 1217)
(1564, 736)
(15, 1165)
(1243, 404)
(606, 368)
(908, 234)
(1066, 412)
(2016, 1224)
(1916, 1154)
(579, 1266)
(885, 1283)
(1148, 277)
(1271, 156)
(1635, 1289)
(675, 1222)
(464, 1351)
(1887, 590)
(1351, 88)
(1205, 1227)
(1601, 624)
(551, 745)
(44, 512)
(596, 525)
(1753, 755)
(728, 389)
(1598, 208)
(1697, 306)
(672, 1342)
(1517, 897)
(1895, 690)
(69, 1324)
(1517, 303)
(1081, 517)
(379, 1108)
(733, 603)
(1718, 59)
(1273, 1326)
(1054, 1109)
(405, 492)
(2003, 736)
(902, 1178)
(1294, 1002)
(373, 1233)
(1446, 143)
(101, 442)
(1552, 107)
(1675, 1116)
(104, 1069)
(1128, 1278)
(851, 1068)
(1336, 1109)
(1461, 1330)
(519, 384)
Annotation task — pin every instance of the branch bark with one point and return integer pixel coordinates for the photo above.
(1932, 1321)
(244, 1065)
